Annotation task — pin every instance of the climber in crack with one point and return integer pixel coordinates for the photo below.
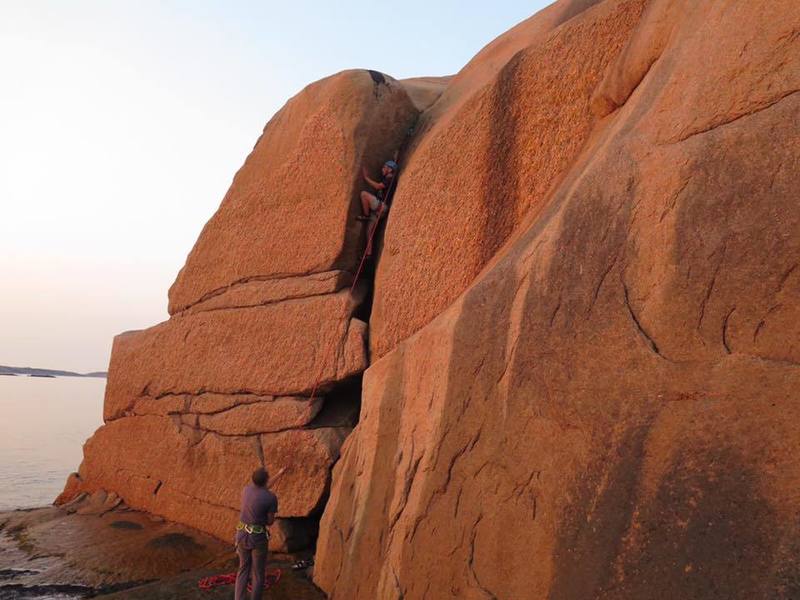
(375, 205)
(259, 506)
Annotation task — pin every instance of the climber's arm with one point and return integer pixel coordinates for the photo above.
(376, 185)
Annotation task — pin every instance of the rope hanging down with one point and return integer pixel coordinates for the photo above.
(367, 252)
(271, 579)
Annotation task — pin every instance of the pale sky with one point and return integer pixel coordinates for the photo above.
(122, 124)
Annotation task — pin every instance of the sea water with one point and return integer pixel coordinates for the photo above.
(43, 424)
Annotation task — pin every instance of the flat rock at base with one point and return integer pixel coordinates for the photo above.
(198, 481)
(292, 586)
(47, 553)
(117, 548)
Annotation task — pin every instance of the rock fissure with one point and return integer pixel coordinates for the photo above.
(762, 323)
(250, 279)
(262, 304)
(407, 485)
(649, 342)
(725, 342)
(675, 197)
(471, 560)
(735, 118)
(503, 385)
(785, 277)
(710, 288)
(597, 288)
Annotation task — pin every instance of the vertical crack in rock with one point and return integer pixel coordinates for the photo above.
(597, 288)
(646, 336)
(725, 341)
(259, 450)
(711, 285)
(253, 317)
(471, 560)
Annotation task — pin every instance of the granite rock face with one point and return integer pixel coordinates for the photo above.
(609, 409)
(290, 209)
(279, 349)
(263, 328)
(582, 361)
(487, 154)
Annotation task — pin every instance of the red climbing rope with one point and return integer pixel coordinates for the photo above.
(368, 249)
(271, 579)
(367, 252)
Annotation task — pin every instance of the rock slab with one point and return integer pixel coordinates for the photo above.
(262, 328)
(610, 409)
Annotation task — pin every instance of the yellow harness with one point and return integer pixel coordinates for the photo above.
(252, 528)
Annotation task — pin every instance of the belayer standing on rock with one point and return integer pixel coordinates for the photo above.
(259, 506)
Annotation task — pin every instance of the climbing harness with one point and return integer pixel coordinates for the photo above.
(252, 528)
(271, 579)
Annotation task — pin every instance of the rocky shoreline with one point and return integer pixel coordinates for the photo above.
(96, 546)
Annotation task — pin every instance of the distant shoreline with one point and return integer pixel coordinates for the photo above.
(35, 372)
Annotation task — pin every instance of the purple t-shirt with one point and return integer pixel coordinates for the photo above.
(257, 503)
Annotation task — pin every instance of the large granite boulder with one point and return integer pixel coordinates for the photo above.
(290, 208)
(278, 349)
(488, 154)
(611, 409)
(263, 328)
(585, 341)
(193, 475)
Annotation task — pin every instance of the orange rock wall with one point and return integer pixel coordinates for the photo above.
(610, 409)
(489, 162)
(583, 358)
(301, 174)
(262, 316)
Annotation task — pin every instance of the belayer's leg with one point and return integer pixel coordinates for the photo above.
(243, 574)
(259, 564)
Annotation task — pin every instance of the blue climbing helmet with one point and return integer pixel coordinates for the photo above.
(392, 165)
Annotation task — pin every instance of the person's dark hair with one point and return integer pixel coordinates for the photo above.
(260, 477)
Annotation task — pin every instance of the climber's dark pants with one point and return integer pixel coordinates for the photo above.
(251, 568)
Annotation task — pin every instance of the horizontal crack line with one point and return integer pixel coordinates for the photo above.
(733, 119)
